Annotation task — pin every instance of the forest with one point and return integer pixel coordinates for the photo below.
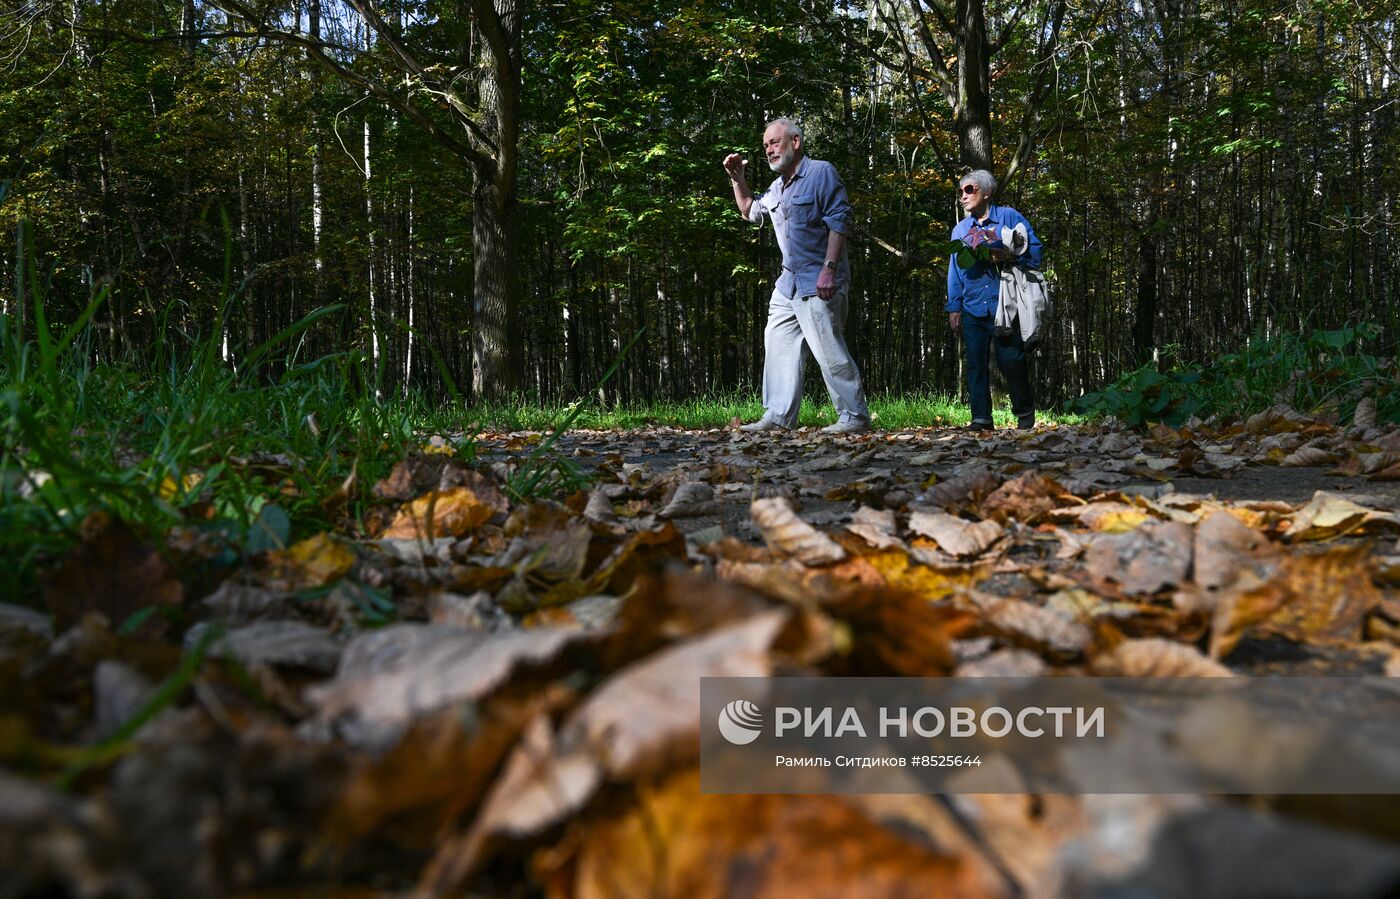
(382, 511)
(499, 196)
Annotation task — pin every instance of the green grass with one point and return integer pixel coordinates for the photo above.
(891, 412)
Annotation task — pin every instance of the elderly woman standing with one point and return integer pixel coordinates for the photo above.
(972, 303)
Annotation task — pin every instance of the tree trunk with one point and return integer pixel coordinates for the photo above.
(495, 287)
(974, 111)
(496, 354)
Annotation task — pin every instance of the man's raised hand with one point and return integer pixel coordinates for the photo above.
(734, 164)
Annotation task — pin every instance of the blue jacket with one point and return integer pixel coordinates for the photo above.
(975, 290)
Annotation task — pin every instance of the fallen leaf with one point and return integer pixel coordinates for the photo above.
(112, 572)
(642, 720)
(313, 562)
(1310, 456)
(1365, 416)
(897, 569)
(1024, 498)
(966, 489)
(1025, 623)
(1004, 663)
(691, 499)
(677, 841)
(1156, 657)
(440, 768)
(388, 677)
(1278, 420)
(1155, 556)
(294, 644)
(1226, 546)
(876, 527)
(449, 513)
(790, 536)
(957, 536)
(1326, 516)
(1105, 516)
(599, 507)
(1323, 596)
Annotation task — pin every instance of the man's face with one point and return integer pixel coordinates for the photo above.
(781, 148)
(972, 198)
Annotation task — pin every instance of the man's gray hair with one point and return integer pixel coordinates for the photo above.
(983, 179)
(793, 129)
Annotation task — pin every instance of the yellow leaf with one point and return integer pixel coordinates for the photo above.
(314, 562)
(899, 570)
(169, 488)
(440, 513)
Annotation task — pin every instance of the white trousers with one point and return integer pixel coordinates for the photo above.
(796, 327)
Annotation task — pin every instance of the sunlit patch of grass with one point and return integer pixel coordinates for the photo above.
(891, 412)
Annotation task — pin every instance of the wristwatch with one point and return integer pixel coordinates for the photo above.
(831, 264)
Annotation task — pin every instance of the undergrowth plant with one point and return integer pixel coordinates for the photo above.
(1317, 371)
(187, 439)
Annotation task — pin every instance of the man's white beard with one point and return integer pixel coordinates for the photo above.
(784, 160)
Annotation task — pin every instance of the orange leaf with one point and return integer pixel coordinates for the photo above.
(440, 513)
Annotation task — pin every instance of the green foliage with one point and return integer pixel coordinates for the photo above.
(249, 460)
(1317, 370)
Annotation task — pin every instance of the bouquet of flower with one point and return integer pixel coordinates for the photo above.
(984, 237)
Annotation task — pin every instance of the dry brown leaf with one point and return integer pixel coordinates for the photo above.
(1365, 416)
(967, 489)
(1029, 624)
(1024, 498)
(1326, 516)
(1324, 596)
(1157, 657)
(957, 536)
(1310, 456)
(1109, 517)
(790, 536)
(440, 513)
(1226, 546)
(691, 499)
(677, 841)
(112, 572)
(390, 676)
(1278, 420)
(1155, 556)
(1371, 463)
(876, 527)
(640, 553)
(1004, 663)
(599, 508)
(440, 767)
(293, 644)
(643, 720)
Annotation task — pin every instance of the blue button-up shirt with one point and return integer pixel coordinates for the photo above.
(811, 205)
(975, 290)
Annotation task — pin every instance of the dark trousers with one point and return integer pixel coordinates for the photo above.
(979, 338)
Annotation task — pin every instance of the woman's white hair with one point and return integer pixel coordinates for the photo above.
(983, 179)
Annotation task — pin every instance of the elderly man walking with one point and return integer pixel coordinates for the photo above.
(973, 296)
(811, 215)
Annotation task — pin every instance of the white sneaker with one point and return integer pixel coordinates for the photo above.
(763, 424)
(847, 427)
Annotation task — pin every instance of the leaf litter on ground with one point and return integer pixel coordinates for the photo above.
(466, 689)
